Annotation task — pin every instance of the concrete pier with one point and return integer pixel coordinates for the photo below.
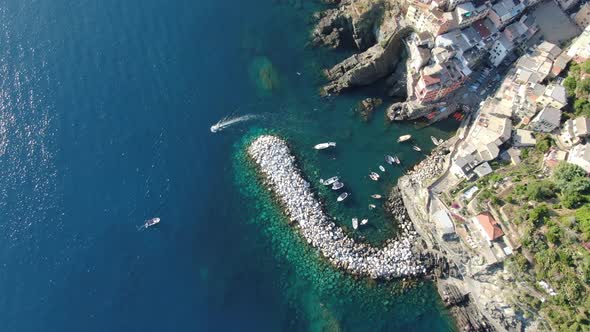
(277, 166)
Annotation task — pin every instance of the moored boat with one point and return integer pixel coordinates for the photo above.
(364, 221)
(382, 168)
(337, 185)
(416, 148)
(326, 145)
(330, 181)
(436, 141)
(376, 196)
(374, 176)
(397, 161)
(372, 206)
(355, 223)
(342, 197)
(389, 159)
(404, 138)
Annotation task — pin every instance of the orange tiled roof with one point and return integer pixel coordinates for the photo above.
(490, 225)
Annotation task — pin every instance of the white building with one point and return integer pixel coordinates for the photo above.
(500, 50)
(444, 224)
(580, 155)
(555, 96)
(547, 120)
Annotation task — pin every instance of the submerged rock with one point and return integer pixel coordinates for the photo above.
(264, 75)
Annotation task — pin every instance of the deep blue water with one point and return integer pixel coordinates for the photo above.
(105, 108)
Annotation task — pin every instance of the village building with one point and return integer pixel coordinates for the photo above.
(523, 138)
(463, 166)
(504, 12)
(468, 12)
(512, 155)
(554, 157)
(500, 50)
(433, 20)
(579, 50)
(437, 81)
(582, 17)
(483, 169)
(581, 127)
(547, 120)
(554, 96)
(580, 155)
(488, 227)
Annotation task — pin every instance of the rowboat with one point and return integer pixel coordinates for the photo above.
(382, 168)
(404, 138)
(342, 197)
(397, 161)
(372, 206)
(416, 148)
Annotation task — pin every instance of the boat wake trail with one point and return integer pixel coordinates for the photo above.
(228, 121)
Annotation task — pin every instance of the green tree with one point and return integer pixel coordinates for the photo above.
(554, 233)
(540, 190)
(543, 145)
(583, 220)
(571, 199)
(570, 85)
(565, 173)
(539, 214)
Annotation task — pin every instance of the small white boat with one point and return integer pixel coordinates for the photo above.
(149, 223)
(416, 148)
(342, 197)
(364, 221)
(376, 196)
(397, 161)
(337, 185)
(404, 138)
(382, 168)
(372, 206)
(298, 73)
(322, 146)
(374, 176)
(355, 223)
(389, 159)
(329, 181)
(436, 141)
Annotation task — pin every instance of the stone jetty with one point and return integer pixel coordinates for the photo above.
(278, 169)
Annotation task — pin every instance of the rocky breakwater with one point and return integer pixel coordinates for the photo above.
(279, 172)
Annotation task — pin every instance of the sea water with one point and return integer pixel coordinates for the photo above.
(105, 115)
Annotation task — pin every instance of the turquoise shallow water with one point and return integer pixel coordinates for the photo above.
(105, 109)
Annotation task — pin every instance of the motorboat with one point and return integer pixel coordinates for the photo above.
(416, 148)
(364, 221)
(372, 206)
(374, 176)
(337, 185)
(404, 138)
(342, 197)
(330, 181)
(389, 159)
(149, 223)
(382, 168)
(355, 223)
(376, 196)
(397, 161)
(323, 146)
(436, 141)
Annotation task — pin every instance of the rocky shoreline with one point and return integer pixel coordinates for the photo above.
(396, 259)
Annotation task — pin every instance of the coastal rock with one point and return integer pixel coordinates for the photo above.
(362, 69)
(351, 24)
(367, 106)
